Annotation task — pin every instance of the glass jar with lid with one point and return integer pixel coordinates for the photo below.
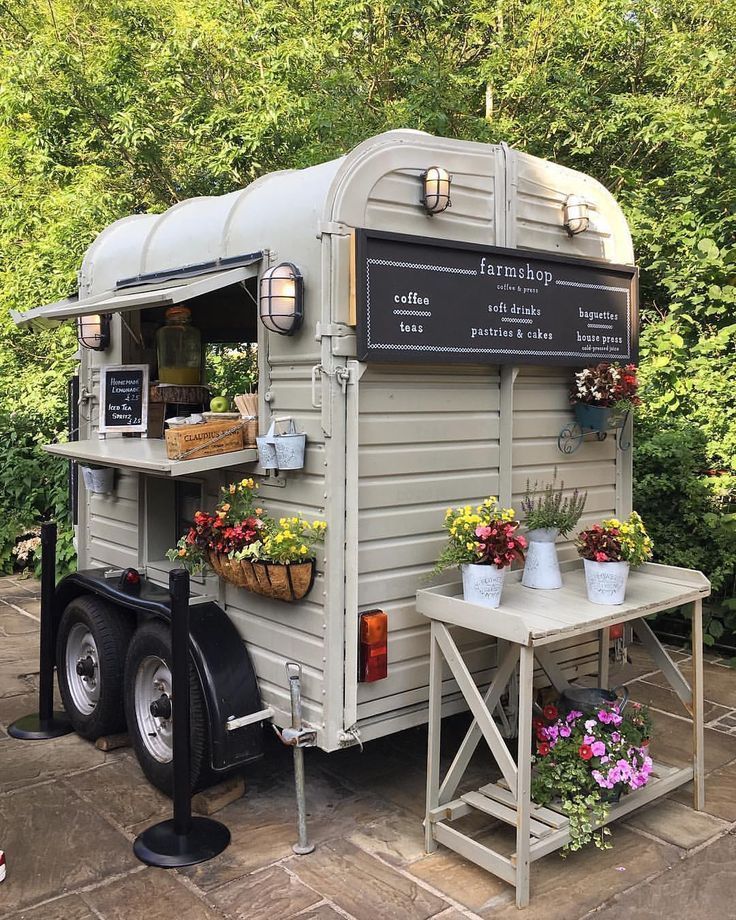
(179, 349)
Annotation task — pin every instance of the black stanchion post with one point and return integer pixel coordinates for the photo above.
(45, 723)
(183, 840)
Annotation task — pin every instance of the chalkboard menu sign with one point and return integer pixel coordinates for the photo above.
(124, 398)
(421, 299)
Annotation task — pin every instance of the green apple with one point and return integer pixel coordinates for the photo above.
(219, 404)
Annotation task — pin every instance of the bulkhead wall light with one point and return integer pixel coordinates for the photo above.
(576, 216)
(281, 299)
(93, 331)
(436, 189)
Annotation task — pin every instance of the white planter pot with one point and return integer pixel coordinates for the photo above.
(483, 584)
(541, 568)
(606, 581)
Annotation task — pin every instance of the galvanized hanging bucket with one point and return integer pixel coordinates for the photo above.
(290, 447)
(267, 448)
(98, 479)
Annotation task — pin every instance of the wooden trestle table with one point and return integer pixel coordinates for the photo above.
(528, 623)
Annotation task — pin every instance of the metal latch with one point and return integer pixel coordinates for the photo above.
(297, 737)
(341, 373)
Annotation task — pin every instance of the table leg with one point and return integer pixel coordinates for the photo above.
(433, 740)
(697, 689)
(524, 766)
(604, 641)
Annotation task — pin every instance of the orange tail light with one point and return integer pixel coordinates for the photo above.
(373, 656)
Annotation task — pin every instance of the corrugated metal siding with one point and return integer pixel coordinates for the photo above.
(428, 438)
(273, 631)
(541, 409)
(394, 202)
(113, 531)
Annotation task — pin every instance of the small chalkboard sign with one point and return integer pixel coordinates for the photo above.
(420, 299)
(124, 398)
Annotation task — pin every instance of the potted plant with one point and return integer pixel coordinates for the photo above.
(603, 394)
(547, 515)
(585, 763)
(483, 542)
(247, 547)
(608, 549)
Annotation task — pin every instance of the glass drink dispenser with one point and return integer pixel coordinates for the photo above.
(179, 349)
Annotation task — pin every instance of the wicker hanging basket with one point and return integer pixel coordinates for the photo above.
(282, 581)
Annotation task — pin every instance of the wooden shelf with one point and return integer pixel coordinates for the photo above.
(548, 826)
(147, 455)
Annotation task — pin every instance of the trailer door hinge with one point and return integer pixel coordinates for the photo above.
(332, 331)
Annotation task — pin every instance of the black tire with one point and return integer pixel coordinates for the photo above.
(93, 703)
(151, 643)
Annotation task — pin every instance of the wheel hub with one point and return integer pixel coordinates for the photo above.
(153, 710)
(161, 708)
(82, 667)
(86, 667)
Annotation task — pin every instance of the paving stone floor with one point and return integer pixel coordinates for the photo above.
(69, 813)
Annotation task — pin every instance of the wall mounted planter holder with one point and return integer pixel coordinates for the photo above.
(596, 421)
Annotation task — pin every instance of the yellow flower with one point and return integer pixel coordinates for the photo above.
(182, 551)
(470, 545)
(232, 489)
(259, 511)
(226, 507)
(303, 549)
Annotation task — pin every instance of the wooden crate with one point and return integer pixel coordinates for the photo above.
(190, 442)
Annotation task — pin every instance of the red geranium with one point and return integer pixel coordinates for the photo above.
(543, 748)
(550, 712)
(585, 751)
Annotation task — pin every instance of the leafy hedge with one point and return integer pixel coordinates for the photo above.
(685, 515)
(116, 107)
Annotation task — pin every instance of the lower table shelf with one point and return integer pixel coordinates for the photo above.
(548, 826)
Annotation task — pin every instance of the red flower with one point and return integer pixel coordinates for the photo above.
(541, 734)
(550, 712)
(585, 751)
(537, 723)
(543, 748)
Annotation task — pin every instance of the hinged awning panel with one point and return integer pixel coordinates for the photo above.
(150, 295)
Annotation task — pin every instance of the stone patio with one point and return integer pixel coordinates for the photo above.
(69, 813)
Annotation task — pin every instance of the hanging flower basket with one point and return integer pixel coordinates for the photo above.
(282, 581)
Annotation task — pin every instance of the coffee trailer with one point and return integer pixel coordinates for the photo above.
(425, 374)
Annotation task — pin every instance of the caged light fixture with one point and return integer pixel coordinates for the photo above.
(281, 299)
(576, 217)
(435, 190)
(93, 331)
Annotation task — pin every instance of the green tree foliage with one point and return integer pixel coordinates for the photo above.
(108, 108)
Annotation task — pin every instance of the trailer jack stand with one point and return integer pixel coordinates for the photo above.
(297, 737)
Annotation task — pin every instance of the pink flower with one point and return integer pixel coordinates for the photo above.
(572, 715)
(604, 716)
(588, 739)
(601, 557)
(565, 731)
(598, 748)
(615, 736)
(482, 532)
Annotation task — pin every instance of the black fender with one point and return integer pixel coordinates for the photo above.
(218, 652)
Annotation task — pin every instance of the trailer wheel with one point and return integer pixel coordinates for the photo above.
(92, 641)
(148, 709)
